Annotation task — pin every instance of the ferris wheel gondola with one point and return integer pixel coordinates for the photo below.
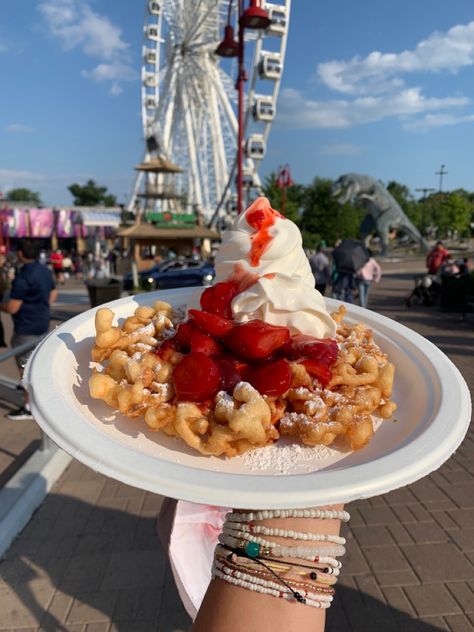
(189, 100)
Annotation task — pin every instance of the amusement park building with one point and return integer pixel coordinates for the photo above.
(71, 228)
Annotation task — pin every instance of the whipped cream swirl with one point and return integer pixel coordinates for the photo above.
(280, 288)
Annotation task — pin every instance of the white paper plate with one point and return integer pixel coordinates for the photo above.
(432, 418)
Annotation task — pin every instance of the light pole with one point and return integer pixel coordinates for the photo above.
(283, 181)
(441, 173)
(254, 17)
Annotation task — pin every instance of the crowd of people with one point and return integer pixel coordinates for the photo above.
(345, 285)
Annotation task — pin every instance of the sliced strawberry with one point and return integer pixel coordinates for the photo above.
(211, 324)
(230, 376)
(224, 293)
(242, 368)
(256, 340)
(217, 299)
(271, 378)
(318, 370)
(183, 336)
(196, 378)
(167, 348)
(207, 299)
(303, 346)
(203, 343)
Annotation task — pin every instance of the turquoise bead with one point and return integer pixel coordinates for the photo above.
(252, 549)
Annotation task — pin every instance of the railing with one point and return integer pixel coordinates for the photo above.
(12, 391)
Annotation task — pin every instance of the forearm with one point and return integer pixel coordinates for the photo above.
(244, 610)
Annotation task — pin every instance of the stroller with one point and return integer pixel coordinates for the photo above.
(426, 291)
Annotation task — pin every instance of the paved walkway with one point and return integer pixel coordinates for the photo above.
(89, 560)
(19, 439)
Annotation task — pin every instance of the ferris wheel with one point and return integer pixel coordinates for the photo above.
(189, 99)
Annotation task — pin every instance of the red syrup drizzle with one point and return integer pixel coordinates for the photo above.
(244, 278)
(260, 216)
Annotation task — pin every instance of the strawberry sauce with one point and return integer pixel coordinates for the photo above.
(244, 279)
(261, 217)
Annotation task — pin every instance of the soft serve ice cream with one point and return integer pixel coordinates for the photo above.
(263, 252)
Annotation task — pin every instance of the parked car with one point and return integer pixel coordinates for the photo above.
(173, 273)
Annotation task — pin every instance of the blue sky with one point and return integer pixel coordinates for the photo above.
(381, 88)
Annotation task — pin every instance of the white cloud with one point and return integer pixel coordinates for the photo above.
(448, 51)
(341, 149)
(437, 120)
(18, 128)
(14, 178)
(375, 87)
(297, 112)
(76, 25)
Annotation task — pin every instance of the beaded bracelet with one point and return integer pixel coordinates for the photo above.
(330, 514)
(269, 591)
(240, 554)
(288, 533)
(326, 576)
(271, 584)
(259, 547)
(268, 572)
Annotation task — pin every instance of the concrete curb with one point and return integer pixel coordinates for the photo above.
(26, 490)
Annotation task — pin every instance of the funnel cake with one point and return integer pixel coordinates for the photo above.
(258, 356)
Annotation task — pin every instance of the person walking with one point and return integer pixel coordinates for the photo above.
(370, 272)
(57, 263)
(32, 292)
(321, 269)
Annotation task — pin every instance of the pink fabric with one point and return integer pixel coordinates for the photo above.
(41, 222)
(371, 271)
(190, 537)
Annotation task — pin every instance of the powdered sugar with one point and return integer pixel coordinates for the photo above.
(287, 458)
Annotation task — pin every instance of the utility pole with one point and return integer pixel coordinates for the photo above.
(441, 173)
(425, 192)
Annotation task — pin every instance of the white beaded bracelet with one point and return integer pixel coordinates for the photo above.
(261, 589)
(268, 583)
(329, 514)
(288, 533)
(328, 575)
(314, 581)
(265, 547)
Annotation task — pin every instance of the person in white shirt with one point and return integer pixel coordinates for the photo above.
(370, 272)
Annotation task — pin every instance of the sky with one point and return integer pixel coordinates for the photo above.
(380, 88)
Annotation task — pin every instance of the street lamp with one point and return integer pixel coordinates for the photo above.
(254, 17)
(283, 181)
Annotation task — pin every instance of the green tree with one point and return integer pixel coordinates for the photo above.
(449, 212)
(90, 194)
(294, 197)
(324, 218)
(24, 195)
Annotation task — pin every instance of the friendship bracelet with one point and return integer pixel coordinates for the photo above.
(331, 565)
(268, 591)
(226, 568)
(246, 559)
(327, 570)
(288, 533)
(272, 585)
(323, 589)
(256, 565)
(255, 546)
(317, 575)
(330, 514)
